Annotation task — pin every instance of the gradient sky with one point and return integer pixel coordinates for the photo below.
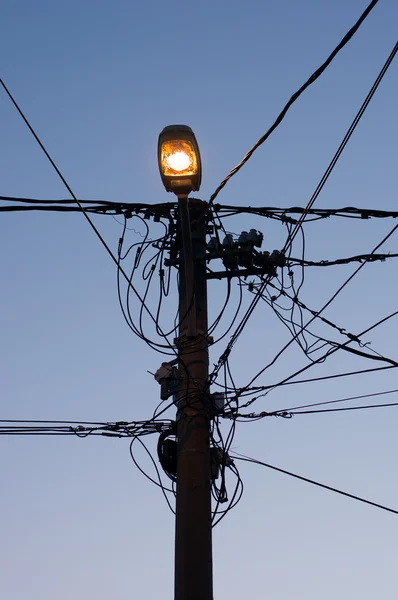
(98, 81)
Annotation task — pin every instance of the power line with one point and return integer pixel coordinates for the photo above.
(315, 362)
(340, 400)
(344, 142)
(296, 410)
(363, 258)
(92, 225)
(53, 422)
(97, 210)
(297, 227)
(328, 410)
(312, 380)
(109, 251)
(347, 281)
(223, 210)
(293, 99)
(323, 213)
(312, 364)
(118, 429)
(161, 209)
(292, 234)
(318, 313)
(60, 201)
(322, 485)
(301, 305)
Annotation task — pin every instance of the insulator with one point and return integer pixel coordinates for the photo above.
(277, 258)
(228, 241)
(252, 236)
(213, 245)
(255, 237)
(243, 238)
(262, 259)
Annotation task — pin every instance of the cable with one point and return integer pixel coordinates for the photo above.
(319, 187)
(343, 144)
(288, 244)
(343, 261)
(336, 346)
(295, 96)
(115, 260)
(160, 484)
(305, 368)
(326, 487)
(279, 213)
(83, 429)
(316, 314)
(328, 410)
(293, 327)
(159, 209)
(236, 497)
(57, 422)
(58, 171)
(319, 360)
(340, 400)
(96, 210)
(103, 207)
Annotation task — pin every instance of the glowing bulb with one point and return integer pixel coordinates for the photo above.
(178, 161)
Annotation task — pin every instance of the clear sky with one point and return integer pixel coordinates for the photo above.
(98, 81)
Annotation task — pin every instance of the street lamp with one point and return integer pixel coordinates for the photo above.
(179, 160)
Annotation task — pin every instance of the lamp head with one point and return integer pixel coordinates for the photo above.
(179, 160)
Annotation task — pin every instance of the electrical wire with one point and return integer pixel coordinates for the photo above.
(335, 345)
(158, 483)
(329, 410)
(344, 142)
(242, 457)
(308, 366)
(363, 258)
(293, 98)
(288, 244)
(279, 213)
(106, 207)
(288, 412)
(92, 225)
(81, 207)
(82, 428)
(341, 400)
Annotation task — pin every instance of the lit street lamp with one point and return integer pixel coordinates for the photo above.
(179, 160)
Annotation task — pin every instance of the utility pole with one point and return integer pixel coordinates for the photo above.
(193, 541)
(190, 464)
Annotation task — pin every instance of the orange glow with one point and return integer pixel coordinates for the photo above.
(178, 158)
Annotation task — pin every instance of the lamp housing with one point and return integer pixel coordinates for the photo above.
(179, 161)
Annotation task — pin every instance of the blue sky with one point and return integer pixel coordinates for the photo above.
(98, 81)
